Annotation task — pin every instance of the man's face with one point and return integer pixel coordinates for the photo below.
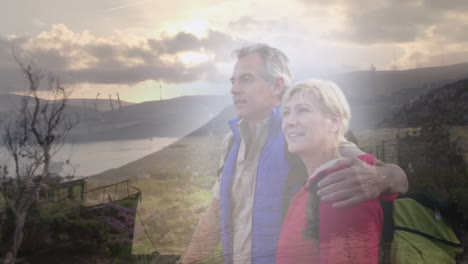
(252, 94)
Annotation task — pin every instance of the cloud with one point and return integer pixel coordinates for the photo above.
(450, 32)
(244, 23)
(384, 22)
(89, 59)
(367, 22)
(5, 50)
(452, 6)
(425, 32)
(159, 71)
(182, 42)
(10, 75)
(221, 45)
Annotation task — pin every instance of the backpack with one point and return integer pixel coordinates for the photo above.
(420, 229)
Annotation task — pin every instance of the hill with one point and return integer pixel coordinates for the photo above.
(175, 117)
(365, 85)
(446, 105)
(99, 104)
(11, 101)
(378, 95)
(169, 118)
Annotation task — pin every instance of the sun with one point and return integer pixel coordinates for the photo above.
(196, 26)
(193, 58)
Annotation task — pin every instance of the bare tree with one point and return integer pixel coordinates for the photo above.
(160, 92)
(32, 136)
(96, 102)
(111, 103)
(118, 101)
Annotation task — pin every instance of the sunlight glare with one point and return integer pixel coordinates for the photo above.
(197, 26)
(193, 58)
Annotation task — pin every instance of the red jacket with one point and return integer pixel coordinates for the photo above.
(349, 235)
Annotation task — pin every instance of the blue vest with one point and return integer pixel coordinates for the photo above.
(272, 172)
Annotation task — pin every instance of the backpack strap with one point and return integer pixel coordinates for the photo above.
(297, 177)
(388, 231)
(388, 228)
(409, 230)
(312, 230)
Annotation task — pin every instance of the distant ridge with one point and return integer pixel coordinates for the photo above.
(102, 104)
(447, 105)
(375, 96)
(11, 101)
(168, 118)
(369, 84)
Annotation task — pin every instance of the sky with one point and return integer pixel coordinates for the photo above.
(147, 50)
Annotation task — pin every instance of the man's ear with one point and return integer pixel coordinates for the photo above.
(278, 87)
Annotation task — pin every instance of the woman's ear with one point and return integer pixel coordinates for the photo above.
(334, 123)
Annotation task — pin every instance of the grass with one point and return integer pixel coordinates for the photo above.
(170, 209)
(176, 189)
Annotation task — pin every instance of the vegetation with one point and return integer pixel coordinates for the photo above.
(442, 106)
(430, 138)
(437, 165)
(66, 229)
(32, 136)
(170, 211)
(59, 227)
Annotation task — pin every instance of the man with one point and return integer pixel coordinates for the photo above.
(247, 209)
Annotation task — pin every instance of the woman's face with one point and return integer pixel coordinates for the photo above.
(306, 128)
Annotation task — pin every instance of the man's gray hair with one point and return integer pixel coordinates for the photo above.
(275, 61)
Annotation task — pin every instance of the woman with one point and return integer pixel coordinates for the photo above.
(315, 118)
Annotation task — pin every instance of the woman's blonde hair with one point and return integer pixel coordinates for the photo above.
(331, 98)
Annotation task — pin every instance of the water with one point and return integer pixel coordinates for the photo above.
(87, 159)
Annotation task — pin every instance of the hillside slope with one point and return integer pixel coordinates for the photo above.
(446, 105)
